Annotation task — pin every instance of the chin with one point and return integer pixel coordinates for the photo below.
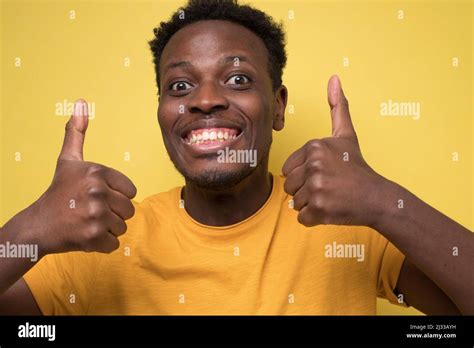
(218, 179)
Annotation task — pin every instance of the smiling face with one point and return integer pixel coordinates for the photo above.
(216, 93)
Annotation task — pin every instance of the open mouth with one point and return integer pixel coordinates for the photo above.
(211, 136)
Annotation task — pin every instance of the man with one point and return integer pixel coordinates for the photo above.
(327, 237)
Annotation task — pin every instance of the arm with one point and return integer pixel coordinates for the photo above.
(16, 233)
(422, 293)
(332, 184)
(440, 248)
(18, 300)
(15, 296)
(84, 209)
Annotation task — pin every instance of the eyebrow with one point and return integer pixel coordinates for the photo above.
(222, 61)
(180, 64)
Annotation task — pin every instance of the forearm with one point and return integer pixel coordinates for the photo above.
(437, 245)
(16, 237)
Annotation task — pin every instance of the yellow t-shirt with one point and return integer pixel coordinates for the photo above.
(168, 263)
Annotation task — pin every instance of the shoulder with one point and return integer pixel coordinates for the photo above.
(157, 204)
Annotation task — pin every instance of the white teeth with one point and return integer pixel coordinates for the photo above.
(212, 136)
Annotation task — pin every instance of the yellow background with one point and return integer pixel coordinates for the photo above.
(407, 59)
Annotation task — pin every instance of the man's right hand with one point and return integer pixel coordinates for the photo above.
(86, 205)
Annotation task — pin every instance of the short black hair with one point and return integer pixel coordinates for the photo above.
(258, 22)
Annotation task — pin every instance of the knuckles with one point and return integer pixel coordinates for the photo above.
(313, 145)
(96, 211)
(314, 166)
(316, 184)
(316, 146)
(86, 184)
(317, 204)
(95, 169)
(90, 238)
(96, 188)
(94, 239)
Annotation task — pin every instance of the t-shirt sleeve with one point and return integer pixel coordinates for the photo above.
(391, 264)
(385, 262)
(62, 283)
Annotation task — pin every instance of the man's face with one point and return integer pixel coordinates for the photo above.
(216, 93)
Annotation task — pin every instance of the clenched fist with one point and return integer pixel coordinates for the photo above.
(86, 205)
(328, 178)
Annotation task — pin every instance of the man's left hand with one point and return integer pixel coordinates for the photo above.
(328, 178)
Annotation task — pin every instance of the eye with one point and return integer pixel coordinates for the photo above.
(238, 80)
(180, 86)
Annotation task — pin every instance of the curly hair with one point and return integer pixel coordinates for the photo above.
(270, 32)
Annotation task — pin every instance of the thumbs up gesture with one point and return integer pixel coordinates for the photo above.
(86, 205)
(328, 178)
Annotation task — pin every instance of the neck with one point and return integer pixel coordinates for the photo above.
(222, 208)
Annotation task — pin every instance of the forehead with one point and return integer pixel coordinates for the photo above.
(205, 42)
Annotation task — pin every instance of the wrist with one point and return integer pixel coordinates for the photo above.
(22, 230)
(387, 203)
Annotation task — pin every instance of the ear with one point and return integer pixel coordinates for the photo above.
(281, 98)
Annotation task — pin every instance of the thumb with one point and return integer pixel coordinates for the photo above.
(341, 118)
(75, 132)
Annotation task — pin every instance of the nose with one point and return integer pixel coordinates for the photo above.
(208, 99)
